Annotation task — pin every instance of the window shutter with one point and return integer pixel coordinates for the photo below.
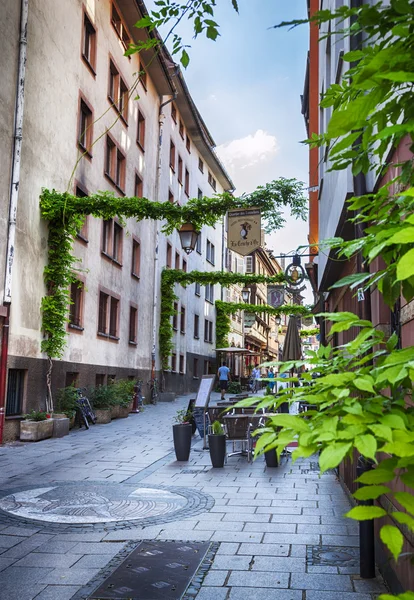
(228, 259)
(240, 266)
(249, 264)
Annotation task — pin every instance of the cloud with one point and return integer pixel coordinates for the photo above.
(248, 151)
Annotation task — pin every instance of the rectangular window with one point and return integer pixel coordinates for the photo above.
(89, 42)
(177, 261)
(169, 256)
(143, 76)
(174, 113)
(210, 293)
(210, 253)
(83, 232)
(181, 363)
(107, 236)
(170, 197)
(180, 169)
(76, 303)
(15, 392)
(181, 129)
(248, 264)
(208, 331)
(139, 187)
(141, 130)
(187, 183)
(113, 317)
(136, 258)
(118, 91)
(123, 99)
(198, 244)
(117, 247)
(199, 194)
(172, 156)
(212, 181)
(184, 267)
(197, 289)
(196, 326)
(195, 367)
(188, 143)
(71, 379)
(99, 379)
(200, 165)
(182, 320)
(206, 367)
(103, 313)
(133, 325)
(175, 317)
(85, 127)
(174, 363)
(120, 28)
(115, 164)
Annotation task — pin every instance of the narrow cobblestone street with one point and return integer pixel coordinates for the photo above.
(280, 533)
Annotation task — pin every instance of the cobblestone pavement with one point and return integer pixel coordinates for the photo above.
(280, 532)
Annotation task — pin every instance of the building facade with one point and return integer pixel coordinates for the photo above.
(84, 130)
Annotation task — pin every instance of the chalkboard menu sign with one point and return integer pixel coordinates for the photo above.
(204, 391)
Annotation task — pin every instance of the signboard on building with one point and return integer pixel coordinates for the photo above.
(244, 233)
(249, 319)
(275, 295)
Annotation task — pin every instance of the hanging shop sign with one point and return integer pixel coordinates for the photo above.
(244, 230)
(275, 295)
(249, 319)
(295, 275)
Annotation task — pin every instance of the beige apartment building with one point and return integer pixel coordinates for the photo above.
(80, 99)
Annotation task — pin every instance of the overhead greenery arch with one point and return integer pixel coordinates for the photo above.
(170, 277)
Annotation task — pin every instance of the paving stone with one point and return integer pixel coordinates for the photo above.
(236, 536)
(95, 548)
(260, 579)
(8, 541)
(72, 576)
(298, 551)
(279, 564)
(271, 527)
(369, 586)
(20, 591)
(248, 502)
(292, 538)
(93, 560)
(212, 593)
(246, 518)
(305, 581)
(232, 563)
(264, 594)
(322, 529)
(264, 549)
(6, 562)
(215, 578)
(238, 510)
(299, 519)
(318, 595)
(58, 592)
(222, 526)
(54, 547)
(23, 575)
(279, 510)
(19, 531)
(39, 559)
(228, 548)
(324, 569)
(340, 540)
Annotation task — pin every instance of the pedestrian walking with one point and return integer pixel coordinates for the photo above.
(255, 379)
(271, 375)
(224, 377)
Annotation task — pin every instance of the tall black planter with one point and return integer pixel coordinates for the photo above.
(271, 458)
(182, 440)
(217, 447)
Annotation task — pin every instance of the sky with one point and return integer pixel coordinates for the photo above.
(247, 87)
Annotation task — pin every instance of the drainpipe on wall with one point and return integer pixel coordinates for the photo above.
(157, 236)
(13, 201)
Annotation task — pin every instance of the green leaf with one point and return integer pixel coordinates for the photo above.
(353, 55)
(351, 279)
(371, 492)
(365, 384)
(405, 236)
(235, 5)
(376, 476)
(366, 445)
(185, 59)
(381, 431)
(406, 500)
(290, 421)
(405, 266)
(404, 519)
(365, 513)
(393, 421)
(393, 539)
(400, 76)
(399, 449)
(332, 455)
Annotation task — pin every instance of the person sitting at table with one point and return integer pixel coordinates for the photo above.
(224, 377)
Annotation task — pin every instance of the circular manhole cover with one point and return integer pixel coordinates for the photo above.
(99, 503)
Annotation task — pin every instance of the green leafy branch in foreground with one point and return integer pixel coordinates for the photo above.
(357, 397)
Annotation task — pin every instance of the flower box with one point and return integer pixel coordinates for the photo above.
(34, 431)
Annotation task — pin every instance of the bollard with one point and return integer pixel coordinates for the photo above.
(366, 531)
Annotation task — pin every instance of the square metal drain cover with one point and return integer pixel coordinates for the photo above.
(333, 556)
(154, 571)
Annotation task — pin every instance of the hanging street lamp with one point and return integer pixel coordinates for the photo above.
(188, 237)
(246, 294)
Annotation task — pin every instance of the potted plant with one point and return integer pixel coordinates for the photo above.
(217, 445)
(66, 404)
(37, 425)
(124, 397)
(182, 432)
(102, 399)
